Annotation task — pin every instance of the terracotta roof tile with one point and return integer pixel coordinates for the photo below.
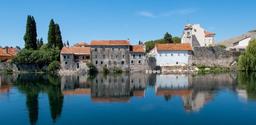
(10, 52)
(209, 34)
(173, 47)
(138, 48)
(76, 50)
(81, 44)
(162, 92)
(110, 42)
(110, 99)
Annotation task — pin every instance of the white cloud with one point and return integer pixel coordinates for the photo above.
(146, 14)
(179, 12)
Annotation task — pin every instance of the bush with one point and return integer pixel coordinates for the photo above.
(105, 70)
(247, 61)
(117, 70)
(92, 69)
(53, 66)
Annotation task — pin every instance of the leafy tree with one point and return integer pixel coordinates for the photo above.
(247, 61)
(39, 43)
(54, 35)
(176, 39)
(30, 36)
(168, 37)
(58, 37)
(51, 34)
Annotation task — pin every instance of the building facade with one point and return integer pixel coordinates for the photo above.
(75, 58)
(111, 54)
(137, 58)
(172, 54)
(197, 36)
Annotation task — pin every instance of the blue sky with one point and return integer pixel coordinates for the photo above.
(86, 20)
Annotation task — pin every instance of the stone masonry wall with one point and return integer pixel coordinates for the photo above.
(213, 56)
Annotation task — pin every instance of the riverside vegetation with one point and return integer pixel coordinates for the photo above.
(36, 52)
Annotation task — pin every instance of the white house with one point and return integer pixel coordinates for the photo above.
(172, 54)
(240, 45)
(197, 36)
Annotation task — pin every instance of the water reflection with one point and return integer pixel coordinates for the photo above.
(194, 91)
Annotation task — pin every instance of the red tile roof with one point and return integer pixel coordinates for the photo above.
(81, 44)
(110, 42)
(162, 92)
(173, 47)
(85, 91)
(110, 99)
(138, 48)
(10, 51)
(209, 34)
(76, 50)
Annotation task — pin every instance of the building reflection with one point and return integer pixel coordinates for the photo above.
(106, 88)
(195, 91)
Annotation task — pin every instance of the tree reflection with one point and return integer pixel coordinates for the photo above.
(33, 84)
(247, 81)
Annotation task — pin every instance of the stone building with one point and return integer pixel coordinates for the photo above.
(75, 58)
(197, 36)
(119, 54)
(137, 58)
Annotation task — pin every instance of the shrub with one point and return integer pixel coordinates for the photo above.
(117, 70)
(92, 69)
(53, 66)
(105, 70)
(247, 61)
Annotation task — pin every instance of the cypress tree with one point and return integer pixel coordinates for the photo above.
(168, 37)
(30, 36)
(40, 43)
(58, 37)
(51, 34)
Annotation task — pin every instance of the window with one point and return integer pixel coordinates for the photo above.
(83, 57)
(139, 56)
(113, 49)
(95, 49)
(101, 62)
(139, 62)
(109, 62)
(77, 65)
(122, 62)
(116, 56)
(133, 56)
(132, 62)
(171, 54)
(87, 57)
(118, 49)
(123, 56)
(64, 57)
(66, 63)
(96, 62)
(177, 63)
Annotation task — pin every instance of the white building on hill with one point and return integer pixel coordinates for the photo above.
(197, 36)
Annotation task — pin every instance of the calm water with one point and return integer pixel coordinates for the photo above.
(128, 99)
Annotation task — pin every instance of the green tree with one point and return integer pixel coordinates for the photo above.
(39, 43)
(247, 61)
(176, 39)
(51, 34)
(58, 37)
(54, 35)
(30, 36)
(168, 37)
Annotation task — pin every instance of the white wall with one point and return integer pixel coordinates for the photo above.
(169, 58)
(199, 33)
(172, 81)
